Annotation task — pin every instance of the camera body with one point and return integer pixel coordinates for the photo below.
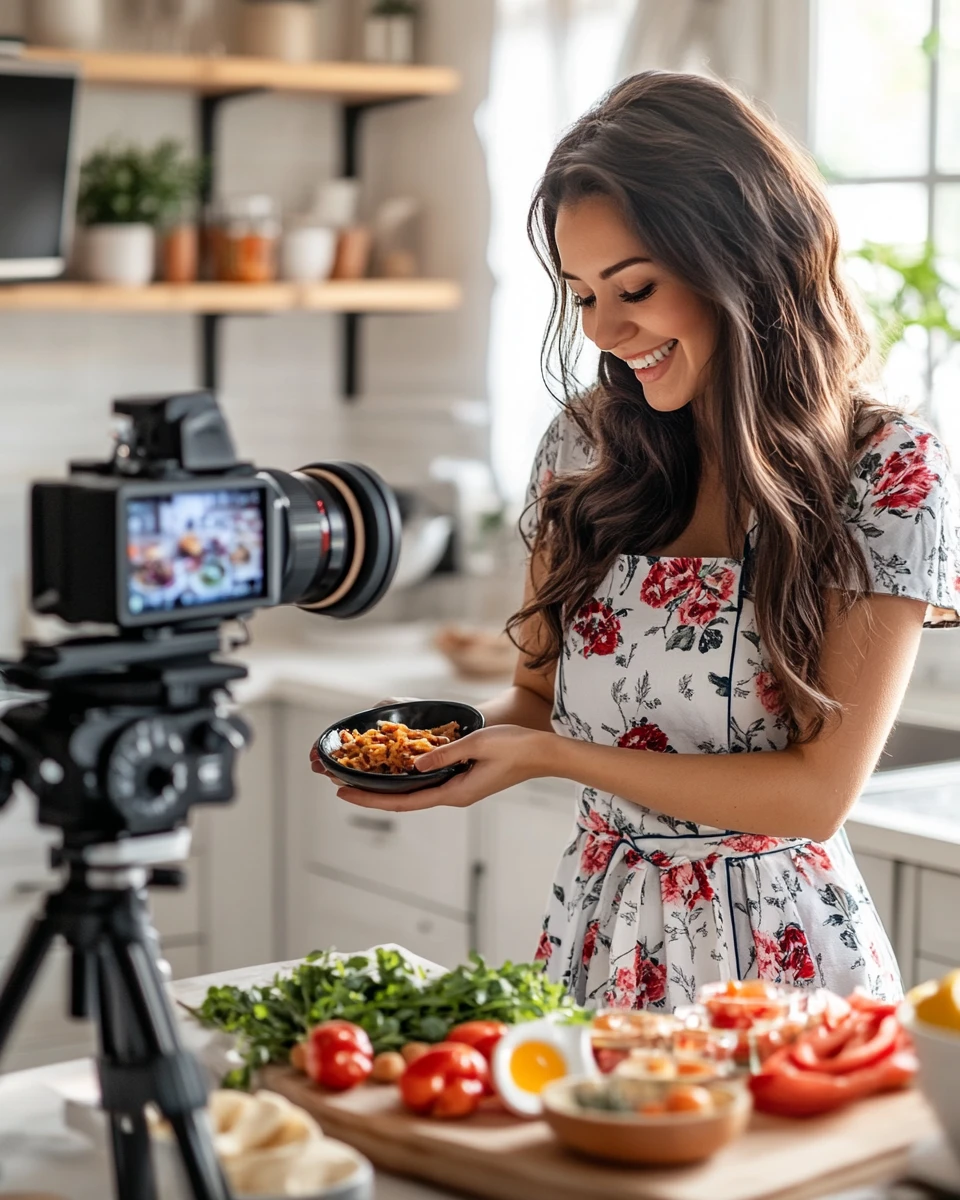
(164, 541)
(175, 528)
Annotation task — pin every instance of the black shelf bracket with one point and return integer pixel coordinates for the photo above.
(351, 122)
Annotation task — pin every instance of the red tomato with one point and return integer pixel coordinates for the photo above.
(481, 1035)
(459, 1098)
(343, 1033)
(340, 1068)
(426, 1079)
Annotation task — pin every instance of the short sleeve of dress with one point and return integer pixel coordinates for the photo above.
(904, 506)
(562, 448)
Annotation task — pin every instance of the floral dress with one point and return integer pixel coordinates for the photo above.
(666, 658)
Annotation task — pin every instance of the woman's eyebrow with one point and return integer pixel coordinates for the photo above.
(608, 271)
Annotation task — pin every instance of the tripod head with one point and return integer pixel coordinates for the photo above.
(122, 736)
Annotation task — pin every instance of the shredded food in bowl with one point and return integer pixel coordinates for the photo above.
(391, 748)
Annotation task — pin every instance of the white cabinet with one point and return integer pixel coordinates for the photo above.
(939, 903)
(879, 874)
(525, 831)
(351, 918)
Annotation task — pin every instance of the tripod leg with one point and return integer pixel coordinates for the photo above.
(22, 973)
(176, 1082)
(129, 1134)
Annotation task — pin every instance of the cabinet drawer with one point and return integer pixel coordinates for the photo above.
(879, 874)
(348, 918)
(939, 905)
(930, 968)
(185, 961)
(423, 854)
(176, 911)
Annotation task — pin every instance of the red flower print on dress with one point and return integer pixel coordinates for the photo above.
(650, 978)
(659, 859)
(768, 692)
(544, 948)
(600, 843)
(599, 626)
(750, 843)
(645, 736)
(698, 608)
(768, 955)
(905, 480)
(688, 882)
(720, 581)
(811, 854)
(668, 579)
(796, 965)
(626, 980)
(589, 942)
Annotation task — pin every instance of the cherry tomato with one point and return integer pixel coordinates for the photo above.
(459, 1098)
(343, 1033)
(340, 1068)
(426, 1079)
(481, 1035)
(607, 1059)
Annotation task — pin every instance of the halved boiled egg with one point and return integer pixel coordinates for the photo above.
(530, 1056)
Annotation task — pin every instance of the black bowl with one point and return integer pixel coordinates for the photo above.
(416, 714)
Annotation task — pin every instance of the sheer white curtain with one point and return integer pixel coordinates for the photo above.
(551, 60)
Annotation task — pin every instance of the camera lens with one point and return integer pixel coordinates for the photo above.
(343, 537)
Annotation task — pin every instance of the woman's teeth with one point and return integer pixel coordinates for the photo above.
(652, 357)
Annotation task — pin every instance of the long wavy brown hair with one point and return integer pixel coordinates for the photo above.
(725, 202)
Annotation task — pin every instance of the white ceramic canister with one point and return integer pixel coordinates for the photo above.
(307, 253)
(284, 29)
(72, 24)
(123, 254)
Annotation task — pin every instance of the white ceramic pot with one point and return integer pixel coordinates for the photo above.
(74, 24)
(306, 254)
(938, 1051)
(284, 29)
(123, 254)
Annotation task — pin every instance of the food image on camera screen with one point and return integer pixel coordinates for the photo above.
(191, 549)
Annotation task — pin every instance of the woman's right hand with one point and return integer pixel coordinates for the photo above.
(317, 767)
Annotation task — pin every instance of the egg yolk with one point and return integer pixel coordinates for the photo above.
(535, 1064)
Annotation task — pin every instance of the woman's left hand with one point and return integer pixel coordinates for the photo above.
(502, 755)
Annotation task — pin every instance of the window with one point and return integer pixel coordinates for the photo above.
(886, 132)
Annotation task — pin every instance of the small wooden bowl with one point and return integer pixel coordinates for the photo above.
(667, 1139)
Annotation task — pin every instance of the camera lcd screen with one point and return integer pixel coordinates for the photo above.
(191, 550)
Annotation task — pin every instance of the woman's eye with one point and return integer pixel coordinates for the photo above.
(583, 301)
(636, 297)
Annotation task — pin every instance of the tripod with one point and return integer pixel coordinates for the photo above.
(101, 913)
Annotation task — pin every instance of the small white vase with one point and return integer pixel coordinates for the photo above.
(123, 254)
(307, 253)
(72, 24)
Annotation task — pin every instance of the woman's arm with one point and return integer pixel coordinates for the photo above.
(803, 791)
(529, 702)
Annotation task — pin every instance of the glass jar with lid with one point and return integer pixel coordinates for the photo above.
(248, 240)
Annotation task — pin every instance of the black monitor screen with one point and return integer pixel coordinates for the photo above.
(35, 116)
(192, 549)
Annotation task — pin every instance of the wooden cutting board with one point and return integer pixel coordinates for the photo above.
(499, 1157)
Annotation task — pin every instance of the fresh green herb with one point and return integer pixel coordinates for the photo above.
(121, 184)
(387, 995)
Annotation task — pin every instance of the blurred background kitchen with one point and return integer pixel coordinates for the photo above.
(318, 208)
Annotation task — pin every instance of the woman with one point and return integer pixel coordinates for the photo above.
(733, 549)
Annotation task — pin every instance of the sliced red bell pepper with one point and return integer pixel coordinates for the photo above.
(866, 1044)
(785, 1089)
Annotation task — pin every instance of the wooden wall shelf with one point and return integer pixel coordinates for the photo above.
(339, 296)
(351, 83)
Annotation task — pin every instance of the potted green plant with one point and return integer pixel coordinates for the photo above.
(125, 192)
(907, 288)
(388, 32)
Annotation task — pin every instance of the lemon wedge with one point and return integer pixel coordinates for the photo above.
(941, 1007)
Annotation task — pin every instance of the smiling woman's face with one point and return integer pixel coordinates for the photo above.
(632, 307)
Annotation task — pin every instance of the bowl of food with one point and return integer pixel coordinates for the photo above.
(646, 1122)
(615, 1032)
(376, 749)
(931, 1015)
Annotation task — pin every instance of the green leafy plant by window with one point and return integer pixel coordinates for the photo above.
(126, 184)
(909, 290)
